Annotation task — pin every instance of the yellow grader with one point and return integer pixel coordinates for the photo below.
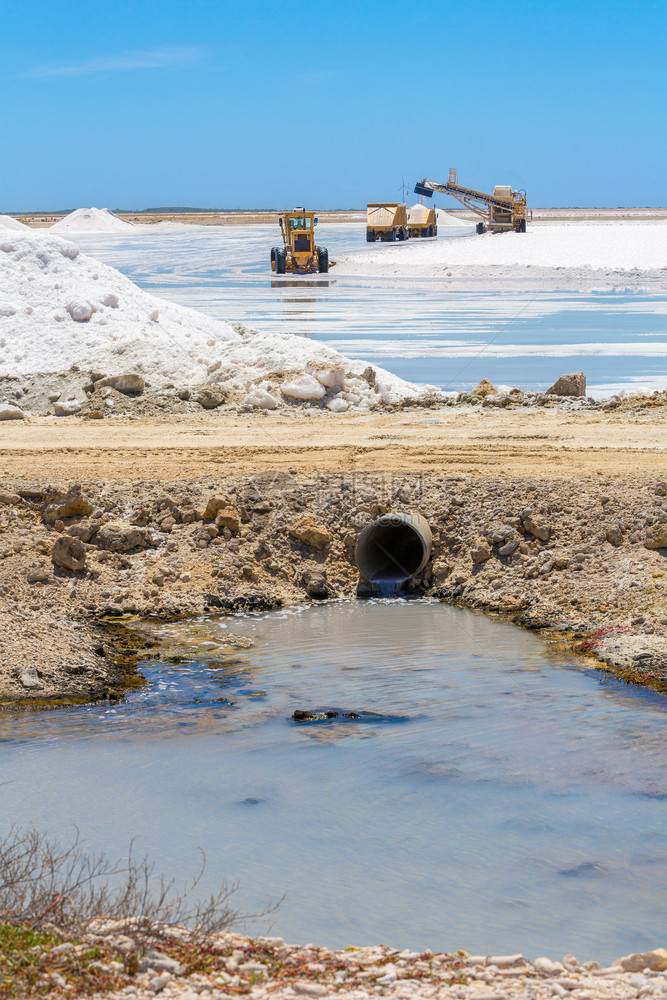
(299, 253)
(502, 211)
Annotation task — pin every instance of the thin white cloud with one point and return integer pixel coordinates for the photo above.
(156, 59)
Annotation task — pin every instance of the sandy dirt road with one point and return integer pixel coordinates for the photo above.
(540, 442)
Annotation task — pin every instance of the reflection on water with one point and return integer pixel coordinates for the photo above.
(492, 794)
(318, 283)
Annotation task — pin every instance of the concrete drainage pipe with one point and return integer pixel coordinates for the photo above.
(393, 548)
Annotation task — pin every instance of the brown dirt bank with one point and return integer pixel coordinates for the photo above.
(93, 531)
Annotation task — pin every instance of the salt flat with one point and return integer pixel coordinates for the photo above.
(576, 248)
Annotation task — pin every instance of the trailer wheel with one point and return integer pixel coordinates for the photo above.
(522, 226)
(281, 260)
(370, 236)
(479, 228)
(322, 260)
(391, 235)
(435, 230)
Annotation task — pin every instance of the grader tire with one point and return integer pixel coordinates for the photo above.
(322, 260)
(281, 260)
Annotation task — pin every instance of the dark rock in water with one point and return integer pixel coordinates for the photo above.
(251, 802)
(585, 868)
(325, 715)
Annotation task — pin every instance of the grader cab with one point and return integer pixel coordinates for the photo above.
(299, 252)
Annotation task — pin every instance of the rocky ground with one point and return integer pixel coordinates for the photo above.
(581, 558)
(220, 967)
(88, 394)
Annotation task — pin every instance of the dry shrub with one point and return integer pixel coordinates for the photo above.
(64, 887)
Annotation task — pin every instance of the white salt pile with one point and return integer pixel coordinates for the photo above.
(445, 219)
(91, 220)
(60, 308)
(8, 222)
(565, 251)
(418, 213)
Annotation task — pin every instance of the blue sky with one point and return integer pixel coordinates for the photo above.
(250, 104)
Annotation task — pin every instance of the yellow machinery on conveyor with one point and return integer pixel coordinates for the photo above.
(501, 211)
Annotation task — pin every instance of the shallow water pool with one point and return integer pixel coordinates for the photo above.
(418, 329)
(493, 795)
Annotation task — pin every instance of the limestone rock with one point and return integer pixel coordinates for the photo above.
(9, 499)
(229, 518)
(157, 962)
(506, 961)
(30, 679)
(84, 529)
(483, 389)
(120, 536)
(547, 967)
(40, 574)
(67, 408)
(8, 411)
(501, 535)
(614, 535)
(304, 388)
(538, 529)
(509, 547)
(70, 504)
(210, 397)
(480, 551)
(308, 989)
(655, 960)
(501, 400)
(656, 536)
(441, 570)
(573, 384)
(213, 505)
(69, 553)
(130, 384)
(307, 531)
